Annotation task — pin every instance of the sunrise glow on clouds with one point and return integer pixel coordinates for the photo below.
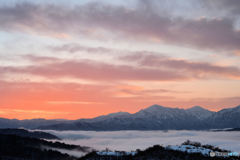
(84, 59)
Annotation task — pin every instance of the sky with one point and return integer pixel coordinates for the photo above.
(81, 59)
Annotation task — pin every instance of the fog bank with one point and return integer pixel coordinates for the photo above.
(132, 140)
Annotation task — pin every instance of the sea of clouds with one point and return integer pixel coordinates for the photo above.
(132, 140)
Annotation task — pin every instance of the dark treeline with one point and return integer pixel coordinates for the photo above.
(26, 133)
(14, 147)
(157, 153)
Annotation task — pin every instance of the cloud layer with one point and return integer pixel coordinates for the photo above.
(142, 23)
(149, 68)
(132, 140)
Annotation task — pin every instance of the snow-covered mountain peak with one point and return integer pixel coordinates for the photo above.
(197, 108)
(118, 114)
(199, 112)
(111, 115)
(154, 108)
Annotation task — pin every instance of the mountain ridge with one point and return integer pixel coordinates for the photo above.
(155, 117)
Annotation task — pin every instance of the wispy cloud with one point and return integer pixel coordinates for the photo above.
(149, 67)
(72, 102)
(31, 113)
(197, 69)
(75, 47)
(88, 69)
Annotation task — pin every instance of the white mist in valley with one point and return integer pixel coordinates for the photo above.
(132, 140)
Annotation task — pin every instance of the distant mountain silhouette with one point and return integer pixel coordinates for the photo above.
(28, 123)
(26, 133)
(226, 118)
(155, 117)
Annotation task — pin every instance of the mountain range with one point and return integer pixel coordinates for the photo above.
(155, 117)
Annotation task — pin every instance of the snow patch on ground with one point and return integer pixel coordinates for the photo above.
(191, 149)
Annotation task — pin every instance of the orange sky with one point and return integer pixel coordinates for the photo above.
(73, 101)
(85, 59)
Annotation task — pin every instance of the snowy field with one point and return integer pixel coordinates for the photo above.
(132, 140)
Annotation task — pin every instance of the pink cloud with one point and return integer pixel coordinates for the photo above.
(149, 68)
(194, 69)
(95, 71)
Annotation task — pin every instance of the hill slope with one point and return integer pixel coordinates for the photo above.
(14, 147)
(26, 133)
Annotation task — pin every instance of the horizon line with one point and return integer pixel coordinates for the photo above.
(118, 112)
